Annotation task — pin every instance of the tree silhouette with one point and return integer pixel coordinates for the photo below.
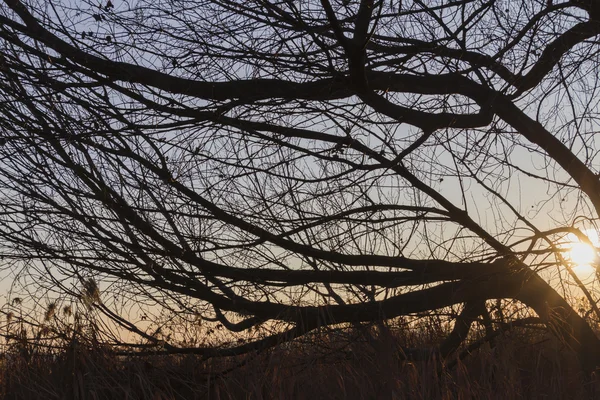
(315, 163)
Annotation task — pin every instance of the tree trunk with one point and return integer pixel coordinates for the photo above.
(562, 319)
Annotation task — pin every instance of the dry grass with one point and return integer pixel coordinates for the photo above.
(520, 365)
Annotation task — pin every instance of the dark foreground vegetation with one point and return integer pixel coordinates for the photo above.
(364, 363)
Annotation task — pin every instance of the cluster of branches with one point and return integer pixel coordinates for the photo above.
(315, 163)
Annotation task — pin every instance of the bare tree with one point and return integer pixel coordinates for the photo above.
(315, 163)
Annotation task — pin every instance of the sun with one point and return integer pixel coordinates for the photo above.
(582, 254)
(583, 257)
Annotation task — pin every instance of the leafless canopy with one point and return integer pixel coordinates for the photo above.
(309, 162)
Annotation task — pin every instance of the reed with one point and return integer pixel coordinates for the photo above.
(342, 364)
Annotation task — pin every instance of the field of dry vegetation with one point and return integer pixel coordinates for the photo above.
(357, 363)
